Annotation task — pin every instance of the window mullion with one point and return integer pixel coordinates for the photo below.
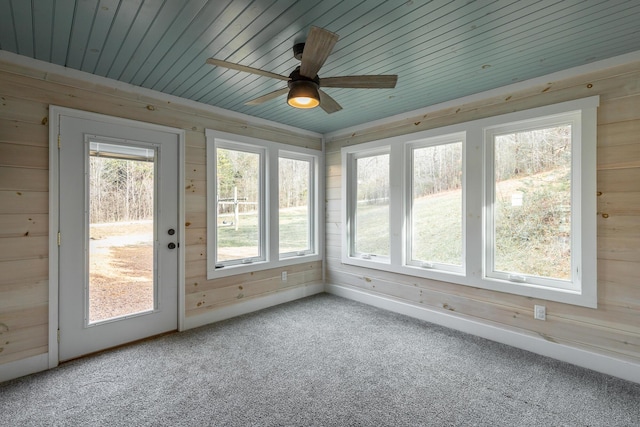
(313, 204)
(397, 190)
(474, 159)
(272, 214)
(484, 201)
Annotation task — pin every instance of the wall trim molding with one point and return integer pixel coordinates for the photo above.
(22, 367)
(48, 67)
(592, 67)
(254, 304)
(597, 362)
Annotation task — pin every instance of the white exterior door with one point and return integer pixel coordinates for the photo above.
(118, 224)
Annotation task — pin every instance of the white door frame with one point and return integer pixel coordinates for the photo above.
(55, 112)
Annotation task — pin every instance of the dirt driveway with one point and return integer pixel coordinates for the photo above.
(121, 269)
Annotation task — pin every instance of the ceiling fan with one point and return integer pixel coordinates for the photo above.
(303, 83)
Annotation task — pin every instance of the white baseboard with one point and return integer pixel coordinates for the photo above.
(253, 304)
(597, 362)
(608, 365)
(22, 367)
(31, 365)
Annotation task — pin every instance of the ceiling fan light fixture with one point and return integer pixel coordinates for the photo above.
(303, 83)
(303, 94)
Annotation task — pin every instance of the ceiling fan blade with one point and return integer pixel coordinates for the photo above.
(361, 82)
(328, 104)
(238, 67)
(319, 44)
(267, 97)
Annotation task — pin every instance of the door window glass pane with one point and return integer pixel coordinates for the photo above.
(532, 202)
(121, 211)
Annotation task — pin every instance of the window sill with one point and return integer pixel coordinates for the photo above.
(233, 270)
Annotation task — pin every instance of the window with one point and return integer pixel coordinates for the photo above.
(239, 204)
(435, 206)
(529, 193)
(371, 209)
(505, 203)
(262, 200)
(296, 204)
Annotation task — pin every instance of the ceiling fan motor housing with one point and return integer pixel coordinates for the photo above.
(297, 51)
(295, 76)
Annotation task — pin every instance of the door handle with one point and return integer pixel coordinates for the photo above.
(171, 245)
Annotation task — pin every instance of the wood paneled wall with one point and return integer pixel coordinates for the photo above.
(614, 327)
(25, 94)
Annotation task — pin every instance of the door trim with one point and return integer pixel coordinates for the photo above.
(55, 112)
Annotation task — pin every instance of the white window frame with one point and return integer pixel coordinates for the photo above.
(351, 203)
(272, 151)
(570, 118)
(262, 211)
(581, 291)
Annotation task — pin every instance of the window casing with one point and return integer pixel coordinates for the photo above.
(531, 205)
(563, 208)
(245, 177)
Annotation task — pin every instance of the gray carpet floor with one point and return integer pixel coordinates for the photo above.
(320, 361)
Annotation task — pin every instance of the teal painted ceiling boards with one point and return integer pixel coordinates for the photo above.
(440, 50)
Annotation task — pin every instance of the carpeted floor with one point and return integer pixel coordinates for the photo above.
(320, 361)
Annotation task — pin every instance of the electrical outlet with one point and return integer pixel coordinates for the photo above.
(540, 312)
(284, 276)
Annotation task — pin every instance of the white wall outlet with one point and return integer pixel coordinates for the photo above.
(540, 312)
(284, 276)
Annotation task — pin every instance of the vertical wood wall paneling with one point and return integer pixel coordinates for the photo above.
(613, 328)
(25, 95)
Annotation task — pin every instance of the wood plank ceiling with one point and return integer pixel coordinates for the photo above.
(441, 50)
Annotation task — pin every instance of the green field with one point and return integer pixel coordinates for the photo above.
(232, 243)
(532, 239)
(437, 224)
